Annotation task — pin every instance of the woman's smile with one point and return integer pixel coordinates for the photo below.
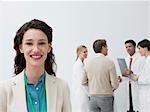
(36, 56)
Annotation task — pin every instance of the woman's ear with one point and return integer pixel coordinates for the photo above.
(50, 47)
(20, 48)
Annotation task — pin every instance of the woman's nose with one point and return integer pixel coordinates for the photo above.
(35, 48)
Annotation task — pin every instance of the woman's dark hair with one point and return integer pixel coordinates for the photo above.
(98, 44)
(144, 43)
(20, 62)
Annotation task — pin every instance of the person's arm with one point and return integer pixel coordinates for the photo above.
(113, 77)
(84, 79)
(66, 99)
(131, 75)
(119, 78)
(134, 77)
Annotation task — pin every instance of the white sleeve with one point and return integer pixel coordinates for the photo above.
(144, 77)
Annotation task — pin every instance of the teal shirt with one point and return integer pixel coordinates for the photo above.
(36, 93)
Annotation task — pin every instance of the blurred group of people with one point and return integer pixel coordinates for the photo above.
(95, 83)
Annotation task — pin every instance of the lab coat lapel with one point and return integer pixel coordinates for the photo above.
(51, 93)
(18, 89)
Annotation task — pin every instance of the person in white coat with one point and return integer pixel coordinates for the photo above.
(143, 78)
(79, 93)
(137, 63)
(136, 66)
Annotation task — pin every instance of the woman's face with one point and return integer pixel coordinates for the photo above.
(84, 53)
(35, 47)
(141, 50)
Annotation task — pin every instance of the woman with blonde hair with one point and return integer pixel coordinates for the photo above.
(79, 91)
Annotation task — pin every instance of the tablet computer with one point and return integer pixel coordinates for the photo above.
(122, 65)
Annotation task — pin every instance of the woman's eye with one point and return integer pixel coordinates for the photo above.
(41, 43)
(28, 43)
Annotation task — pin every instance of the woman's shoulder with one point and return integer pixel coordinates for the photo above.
(6, 82)
(57, 80)
(5, 85)
(59, 83)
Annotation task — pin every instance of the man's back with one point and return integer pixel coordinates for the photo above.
(100, 75)
(102, 78)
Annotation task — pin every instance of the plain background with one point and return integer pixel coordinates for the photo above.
(74, 23)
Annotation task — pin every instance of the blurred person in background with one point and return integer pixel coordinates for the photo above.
(79, 92)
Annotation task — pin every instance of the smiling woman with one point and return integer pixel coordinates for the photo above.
(34, 88)
(35, 47)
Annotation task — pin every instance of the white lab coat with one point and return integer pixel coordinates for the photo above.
(136, 67)
(144, 87)
(79, 93)
(122, 93)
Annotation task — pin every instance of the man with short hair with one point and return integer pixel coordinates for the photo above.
(101, 79)
(135, 66)
(130, 47)
(135, 63)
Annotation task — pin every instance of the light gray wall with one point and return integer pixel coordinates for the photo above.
(74, 23)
